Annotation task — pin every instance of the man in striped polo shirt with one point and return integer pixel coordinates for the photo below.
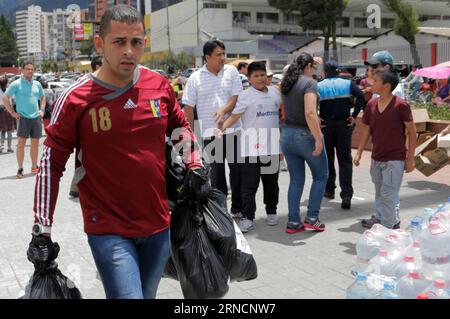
(211, 92)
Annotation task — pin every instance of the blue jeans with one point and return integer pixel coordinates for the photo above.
(130, 268)
(297, 145)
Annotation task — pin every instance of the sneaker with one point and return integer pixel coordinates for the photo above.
(19, 173)
(237, 215)
(283, 166)
(271, 220)
(35, 170)
(292, 228)
(346, 203)
(10, 150)
(314, 224)
(329, 195)
(246, 225)
(368, 223)
(74, 194)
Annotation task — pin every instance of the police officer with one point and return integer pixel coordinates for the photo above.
(336, 95)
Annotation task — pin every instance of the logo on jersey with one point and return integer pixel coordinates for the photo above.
(154, 105)
(130, 105)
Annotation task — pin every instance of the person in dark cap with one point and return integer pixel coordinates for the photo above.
(383, 60)
(336, 96)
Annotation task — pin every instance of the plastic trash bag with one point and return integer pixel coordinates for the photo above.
(48, 282)
(198, 266)
(228, 239)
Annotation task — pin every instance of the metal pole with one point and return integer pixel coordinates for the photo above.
(198, 27)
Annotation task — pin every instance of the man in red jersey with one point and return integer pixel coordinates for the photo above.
(118, 117)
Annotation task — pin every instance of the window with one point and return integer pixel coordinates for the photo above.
(232, 56)
(446, 17)
(387, 23)
(343, 22)
(291, 19)
(209, 5)
(429, 17)
(241, 17)
(360, 23)
(267, 18)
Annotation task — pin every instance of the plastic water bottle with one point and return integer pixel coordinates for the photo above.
(444, 207)
(414, 250)
(406, 266)
(415, 227)
(388, 291)
(427, 214)
(438, 290)
(443, 218)
(359, 289)
(367, 247)
(409, 286)
(423, 295)
(435, 249)
(382, 264)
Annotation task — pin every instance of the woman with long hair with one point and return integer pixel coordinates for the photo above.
(7, 122)
(302, 142)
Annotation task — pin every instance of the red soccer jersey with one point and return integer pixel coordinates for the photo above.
(388, 129)
(121, 136)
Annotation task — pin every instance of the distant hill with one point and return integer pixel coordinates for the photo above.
(9, 7)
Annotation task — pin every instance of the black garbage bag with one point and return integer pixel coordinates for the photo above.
(199, 267)
(51, 284)
(48, 282)
(175, 173)
(228, 239)
(170, 271)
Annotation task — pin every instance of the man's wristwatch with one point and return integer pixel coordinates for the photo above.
(38, 229)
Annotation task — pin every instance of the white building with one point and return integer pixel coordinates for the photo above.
(252, 28)
(59, 35)
(30, 29)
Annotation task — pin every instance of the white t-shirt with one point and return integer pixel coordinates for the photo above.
(207, 93)
(398, 91)
(260, 117)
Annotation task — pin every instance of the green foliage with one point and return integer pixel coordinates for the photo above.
(315, 14)
(178, 61)
(406, 23)
(436, 112)
(49, 66)
(8, 46)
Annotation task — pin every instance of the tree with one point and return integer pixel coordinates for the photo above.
(406, 24)
(48, 66)
(8, 46)
(316, 15)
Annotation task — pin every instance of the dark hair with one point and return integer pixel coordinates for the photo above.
(211, 45)
(3, 83)
(119, 13)
(388, 76)
(242, 65)
(96, 62)
(294, 72)
(44, 83)
(26, 62)
(256, 66)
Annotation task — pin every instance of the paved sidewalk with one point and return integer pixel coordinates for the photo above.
(304, 265)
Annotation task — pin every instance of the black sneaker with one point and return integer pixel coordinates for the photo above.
(314, 224)
(329, 195)
(368, 223)
(396, 226)
(346, 203)
(19, 173)
(74, 194)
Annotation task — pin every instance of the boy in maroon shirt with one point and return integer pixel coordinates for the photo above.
(385, 119)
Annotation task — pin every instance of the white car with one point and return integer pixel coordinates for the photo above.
(61, 85)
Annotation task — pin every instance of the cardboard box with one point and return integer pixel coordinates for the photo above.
(429, 158)
(422, 137)
(444, 141)
(420, 118)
